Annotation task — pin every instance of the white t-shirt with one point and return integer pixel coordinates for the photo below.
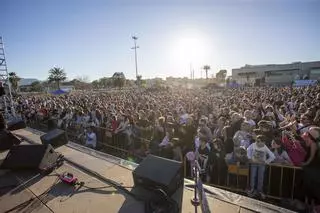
(91, 139)
(184, 118)
(259, 154)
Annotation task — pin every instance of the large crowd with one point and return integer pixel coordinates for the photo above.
(244, 126)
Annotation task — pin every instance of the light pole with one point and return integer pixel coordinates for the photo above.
(135, 38)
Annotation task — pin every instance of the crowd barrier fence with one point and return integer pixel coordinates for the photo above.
(281, 178)
(280, 181)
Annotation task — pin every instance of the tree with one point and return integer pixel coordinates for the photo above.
(80, 85)
(57, 75)
(95, 84)
(221, 75)
(106, 82)
(158, 83)
(139, 80)
(228, 81)
(118, 79)
(206, 68)
(14, 80)
(143, 83)
(36, 86)
(46, 84)
(83, 78)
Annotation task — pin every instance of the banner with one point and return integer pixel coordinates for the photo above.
(303, 83)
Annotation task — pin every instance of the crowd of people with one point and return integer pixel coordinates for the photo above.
(252, 126)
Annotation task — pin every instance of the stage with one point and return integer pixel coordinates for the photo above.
(48, 194)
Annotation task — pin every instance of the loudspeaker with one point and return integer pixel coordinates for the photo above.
(2, 92)
(56, 138)
(15, 125)
(52, 124)
(7, 140)
(159, 173)
(30, 157)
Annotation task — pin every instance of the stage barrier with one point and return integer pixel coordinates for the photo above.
(280, 181)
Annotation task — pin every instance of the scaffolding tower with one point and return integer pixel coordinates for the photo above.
(7, 100)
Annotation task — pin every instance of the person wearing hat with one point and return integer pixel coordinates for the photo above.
(265, 129)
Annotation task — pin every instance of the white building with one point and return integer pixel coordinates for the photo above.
(276, 73)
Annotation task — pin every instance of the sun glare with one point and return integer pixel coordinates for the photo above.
(190, 51)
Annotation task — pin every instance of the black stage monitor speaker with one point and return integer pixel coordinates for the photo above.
(56, 138)
(52, 124)
(156, 172)
(7, 140)
(15, 125)
(30, 157)
(2, 92)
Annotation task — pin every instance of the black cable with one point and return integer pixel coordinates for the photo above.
(172, 208)
(161, 205)
(150, 205)
(104, 179)
(82, 184)
(44, 172)
(27, 202)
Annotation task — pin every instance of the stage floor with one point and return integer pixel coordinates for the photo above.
(48, 194)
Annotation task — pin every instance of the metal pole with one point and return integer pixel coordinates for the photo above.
(4, 63)
(195, 200)
(135, 38)
(135, 53)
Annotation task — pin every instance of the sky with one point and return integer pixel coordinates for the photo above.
(93, 37)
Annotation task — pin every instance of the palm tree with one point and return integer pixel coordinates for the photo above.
(14, 80)
(57, 75)
(206, 68)
(118, 79)
(221, 75)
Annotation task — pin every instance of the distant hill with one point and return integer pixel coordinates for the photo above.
(27, 81)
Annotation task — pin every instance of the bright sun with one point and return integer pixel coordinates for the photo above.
(190, 51)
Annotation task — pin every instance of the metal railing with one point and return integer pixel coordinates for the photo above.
(106, 140)
(277, 185)
(231, 177)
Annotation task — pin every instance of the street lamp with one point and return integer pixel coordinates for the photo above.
(135, 38)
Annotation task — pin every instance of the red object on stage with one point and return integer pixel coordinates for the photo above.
(68, 178)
